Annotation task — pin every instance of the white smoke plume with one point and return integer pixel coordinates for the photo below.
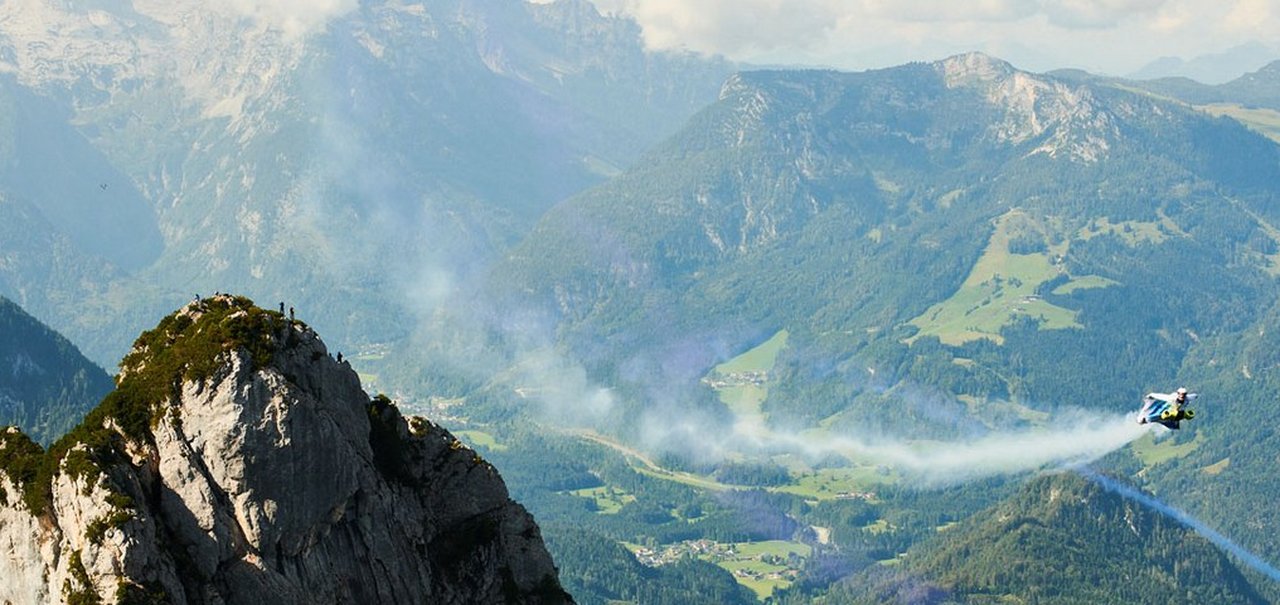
(1076, 437)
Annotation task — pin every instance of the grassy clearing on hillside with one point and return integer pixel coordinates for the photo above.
(1000, 287)
(840, 483)
(689, 479)
(609, 500)
(741, 382)
(762, 566)
(1217, 467)
(984, 409)
(743, 399)
(1263, 121)
(1084, 283)
(1131, 232)
(758, 359)
(482, 439)
(1152, 452)
(879, 526)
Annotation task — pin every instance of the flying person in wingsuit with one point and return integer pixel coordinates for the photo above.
(1169, 409)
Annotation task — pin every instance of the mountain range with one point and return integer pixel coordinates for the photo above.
(1213, 68)
(517, 218)
(219, 151)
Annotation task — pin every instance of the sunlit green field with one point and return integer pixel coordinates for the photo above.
(743, 399)
(1152, 451)
(1263, 121)
(733, 379)
(760, 358)
(833, 483)
(748, 565)
(609, 500)
(1000, 287)
(480, 439)
(1083, 283)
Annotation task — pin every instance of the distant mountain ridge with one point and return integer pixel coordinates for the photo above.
(1212, 69)
(46, 385)
(1260, 88)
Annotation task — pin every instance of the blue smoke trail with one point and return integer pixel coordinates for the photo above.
(1222, 541)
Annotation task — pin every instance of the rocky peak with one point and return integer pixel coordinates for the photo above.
(974, 67)
(1061, 119)
(237, 461)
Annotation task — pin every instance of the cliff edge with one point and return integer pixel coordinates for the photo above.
(237, 462)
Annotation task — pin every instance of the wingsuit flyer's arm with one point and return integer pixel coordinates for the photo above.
(1165, 397)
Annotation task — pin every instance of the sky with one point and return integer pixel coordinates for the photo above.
(1114, 37)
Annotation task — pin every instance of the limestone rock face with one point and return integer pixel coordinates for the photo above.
(271, 478)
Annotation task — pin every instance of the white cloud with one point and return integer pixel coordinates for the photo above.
(1098, 13)
(1253, 17)
(292, 17)
(1107, 36)
(730, 27)
(934, 11)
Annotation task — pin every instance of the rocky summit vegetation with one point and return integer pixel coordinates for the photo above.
(237, 460)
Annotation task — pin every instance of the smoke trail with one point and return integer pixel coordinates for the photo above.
(1077, 437)
(1223, 542)
(1070, 442)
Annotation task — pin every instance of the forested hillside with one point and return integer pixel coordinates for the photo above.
(954, 249)
(46, 385)
(1060, 540)
(963, 225)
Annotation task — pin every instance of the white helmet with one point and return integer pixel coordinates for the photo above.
(1182, 390)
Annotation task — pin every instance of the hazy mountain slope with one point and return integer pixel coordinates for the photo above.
(1257, 89)
(45, 162)
(1061, 539)
(844, 206)
(46, 385)
(72, 226)
(363, 165)
(1213, 68)
(953, 248)
(237, 461)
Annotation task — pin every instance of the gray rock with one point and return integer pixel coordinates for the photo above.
(282, 483)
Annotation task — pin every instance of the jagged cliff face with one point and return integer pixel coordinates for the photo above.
(268, 474)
